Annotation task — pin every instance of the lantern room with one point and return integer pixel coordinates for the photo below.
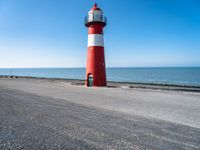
(95, 15)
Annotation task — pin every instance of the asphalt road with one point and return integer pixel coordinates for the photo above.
(174, 106)
(32, 121)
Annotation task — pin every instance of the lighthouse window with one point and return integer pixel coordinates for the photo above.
(97, 16)
(90, 17)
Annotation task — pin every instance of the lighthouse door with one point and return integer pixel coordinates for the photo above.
(90, 80)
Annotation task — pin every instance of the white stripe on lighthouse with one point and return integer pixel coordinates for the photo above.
(95, 40)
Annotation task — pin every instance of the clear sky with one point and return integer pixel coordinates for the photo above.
(140, 33)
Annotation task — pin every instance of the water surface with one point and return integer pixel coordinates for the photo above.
(177, 76)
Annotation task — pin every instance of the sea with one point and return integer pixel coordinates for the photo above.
(189, 76)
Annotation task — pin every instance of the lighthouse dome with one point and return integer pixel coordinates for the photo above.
(95, 7)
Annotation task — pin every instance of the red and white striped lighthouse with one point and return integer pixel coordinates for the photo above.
(96, 68)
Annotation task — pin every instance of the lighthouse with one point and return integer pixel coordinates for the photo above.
(96, 68)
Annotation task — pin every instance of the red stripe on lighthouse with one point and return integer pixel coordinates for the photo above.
(95, 28)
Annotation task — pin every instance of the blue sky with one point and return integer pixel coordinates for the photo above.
(140, 33)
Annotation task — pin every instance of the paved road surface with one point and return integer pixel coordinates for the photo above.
(35, 121)
(178, 107)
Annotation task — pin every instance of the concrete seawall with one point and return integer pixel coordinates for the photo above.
(112, 84)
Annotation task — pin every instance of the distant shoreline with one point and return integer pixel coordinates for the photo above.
(115, 84)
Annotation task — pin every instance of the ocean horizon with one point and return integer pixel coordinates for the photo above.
(189, 76)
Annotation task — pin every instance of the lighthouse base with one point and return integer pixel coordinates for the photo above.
(96, 68)
(90, 82)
